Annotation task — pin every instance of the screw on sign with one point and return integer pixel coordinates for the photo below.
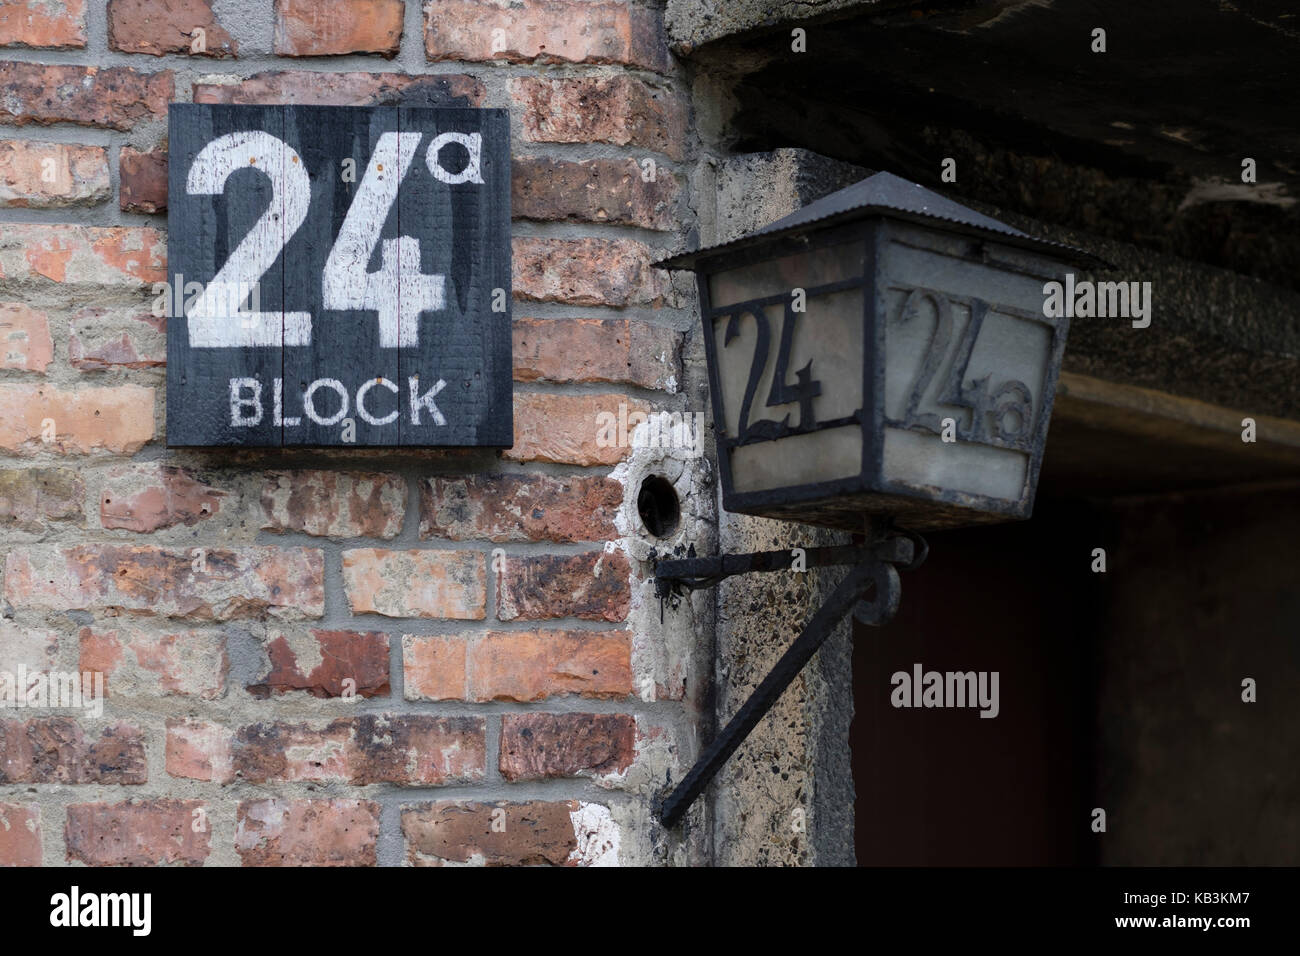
(339, 275)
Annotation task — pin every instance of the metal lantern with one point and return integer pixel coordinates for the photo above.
(882, 351)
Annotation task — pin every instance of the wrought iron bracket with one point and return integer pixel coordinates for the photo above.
(870, 591)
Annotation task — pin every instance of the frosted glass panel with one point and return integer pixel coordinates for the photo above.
(826, 340)
(965, 344)
(778, 276)
(927, 462)
(798, 460)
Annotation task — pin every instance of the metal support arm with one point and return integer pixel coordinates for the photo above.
(873, 570)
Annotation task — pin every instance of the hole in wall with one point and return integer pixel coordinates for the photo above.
(658, 506)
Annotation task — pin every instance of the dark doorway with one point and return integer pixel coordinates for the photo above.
(943, 786)
(1121, 690)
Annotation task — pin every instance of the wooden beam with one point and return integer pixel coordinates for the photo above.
(1161, 417)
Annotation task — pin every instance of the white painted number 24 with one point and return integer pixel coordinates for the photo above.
(218, 318)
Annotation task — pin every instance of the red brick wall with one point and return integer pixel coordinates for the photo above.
(356, 657)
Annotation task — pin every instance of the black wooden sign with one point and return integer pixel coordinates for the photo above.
(338, 276)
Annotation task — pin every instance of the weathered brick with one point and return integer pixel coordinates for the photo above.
(31, 498)
(142, 178)
(571, 429)
(621, 110)
(310, 28)
(106, 338)
(199, 750)
(547, 31)
(519, 508)
(137, 833)
(149, 497)
(147, 26)
(116, 419)
(52, 175)
(593, 190)
(538, 746)
(614, 272)
(597, 350)
(57, 750)
(270, 751)
(443, 584)
(136, 662)
(20, 826)
(408, 749)
(307, 832)
(346, 89)
(334, 504)
(433, 667)
(320, 662)
(524, 834)
(117, 257)
(510, 834)
(35, 649)
(593, 587)
(529, 666)
(25, 343)
(116, 97)
(233, 583)
(43, 24)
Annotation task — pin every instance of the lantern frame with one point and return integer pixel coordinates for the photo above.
(874, 212)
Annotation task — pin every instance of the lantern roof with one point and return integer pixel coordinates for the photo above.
(885, 194)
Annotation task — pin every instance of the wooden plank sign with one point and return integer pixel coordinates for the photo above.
(338, 276)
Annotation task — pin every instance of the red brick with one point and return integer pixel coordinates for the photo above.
(142, 178)
(280, 752)
(306, 88)
(149, 497)
(546, 31)
(570, 429)
(614, 272)
(32, 498)
(52, 175)
(236, 583)
(57, 750)
(199, 750)
(593, 190)
(321, 661)
(529, 666)
(117, 419)
(593, 587)
(621, 110)
(135, 662)
(307, 832)
(25, 343)
(494, 834)
(311, 28)
(433, 667)
(137, 833)
(519, 508)
(43, 24)
(597, 350)
(334, 504)
(116, 97)
(409, 750)
(100, 339)
(128, 258)
(35, 649)
(538, 746)
(147, 26)
(442, 584)
(20, 823)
